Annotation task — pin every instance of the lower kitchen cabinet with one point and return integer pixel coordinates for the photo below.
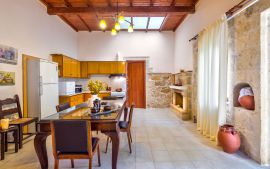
(72, 100)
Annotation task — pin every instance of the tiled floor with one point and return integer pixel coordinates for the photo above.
(161, 141)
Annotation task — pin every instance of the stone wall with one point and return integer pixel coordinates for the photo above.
(158, 92)
(245, 67)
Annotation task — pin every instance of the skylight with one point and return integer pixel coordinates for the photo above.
(140, 23)
(155, 22)
(125, 25)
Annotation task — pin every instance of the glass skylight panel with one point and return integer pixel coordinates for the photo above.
(155, 22)
(140, 22)
(125, 25)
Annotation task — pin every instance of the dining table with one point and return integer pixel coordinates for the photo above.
(106, 122)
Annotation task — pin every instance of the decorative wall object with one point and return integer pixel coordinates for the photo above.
(7, 78)
(8, 55)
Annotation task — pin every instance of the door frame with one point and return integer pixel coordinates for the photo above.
(144, 79)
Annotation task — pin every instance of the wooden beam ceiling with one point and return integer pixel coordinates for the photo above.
(84, 15)
(128, 9)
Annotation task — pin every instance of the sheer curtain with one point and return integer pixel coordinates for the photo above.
(212, 77)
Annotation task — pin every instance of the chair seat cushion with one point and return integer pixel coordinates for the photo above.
(123, 124)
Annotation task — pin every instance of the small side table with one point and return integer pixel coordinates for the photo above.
(4, 142)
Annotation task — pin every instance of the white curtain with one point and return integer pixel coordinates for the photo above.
(212, 77)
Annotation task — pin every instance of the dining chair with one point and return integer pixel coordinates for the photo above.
(125, 126)
(11, 106)
(62, 107)
(72, 139)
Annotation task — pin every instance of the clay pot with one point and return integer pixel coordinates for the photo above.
(247, 102)
(229, 138)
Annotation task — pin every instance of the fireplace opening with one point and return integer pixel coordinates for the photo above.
(178, 100)
(243, 96)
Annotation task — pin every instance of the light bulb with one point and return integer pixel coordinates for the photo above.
(130, 28)
(121, 19)
(103, 24)
(113, 32)
(117, 26)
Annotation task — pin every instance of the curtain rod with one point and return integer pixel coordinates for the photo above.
(232, 12)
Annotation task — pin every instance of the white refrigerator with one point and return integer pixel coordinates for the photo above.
(42, 88)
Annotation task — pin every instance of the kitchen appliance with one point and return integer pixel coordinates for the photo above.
(78, 88)
(42, 88)
(121, 94)
(67, 88)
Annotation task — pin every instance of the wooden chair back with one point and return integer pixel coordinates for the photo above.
(130, 115)
(12, 110)
(71, 137)
(62, 107)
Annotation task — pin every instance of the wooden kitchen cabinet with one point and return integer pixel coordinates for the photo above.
(67, 66)
(105, 68)
(72, 100)
(84, 69)
(93, 67)
(121, 67)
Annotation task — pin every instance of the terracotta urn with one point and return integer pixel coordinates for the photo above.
(246, 98)
(229, 138)
(247, 102)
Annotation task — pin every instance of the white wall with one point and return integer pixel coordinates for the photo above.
(207, 11)
(26, 26)
(159, 46)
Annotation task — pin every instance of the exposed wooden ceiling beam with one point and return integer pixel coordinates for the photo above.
(130, 3)
(163, 23)
(83, 21)
(109, 3)
(151, 3)
(148, 21)
(88, 3)
(179, 23)
(68, 4)
(134, 9)
(173, 3)
(46, 3)
(69, 23)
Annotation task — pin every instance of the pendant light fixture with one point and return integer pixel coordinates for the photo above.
(118, 20)
(103, 24)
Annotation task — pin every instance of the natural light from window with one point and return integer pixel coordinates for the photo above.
(140, 23)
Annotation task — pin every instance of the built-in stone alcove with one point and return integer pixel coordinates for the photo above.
(236, 92)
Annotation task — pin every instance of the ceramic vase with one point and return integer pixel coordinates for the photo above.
(247, 102)
(91, 100)
(229, 138)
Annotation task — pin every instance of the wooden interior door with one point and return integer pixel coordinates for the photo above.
(136, 83)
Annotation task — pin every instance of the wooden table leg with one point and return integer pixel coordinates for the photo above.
(2, 146)
(115, 147)
(41, 151)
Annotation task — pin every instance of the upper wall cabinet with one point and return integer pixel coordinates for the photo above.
(67, 66)
(71, 68)
(106, 67)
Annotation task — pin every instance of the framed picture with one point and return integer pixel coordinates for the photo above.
(8, 55)
(7, 78)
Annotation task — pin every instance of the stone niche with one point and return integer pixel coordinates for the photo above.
(236, 93)
(158, 92)
(245, 68)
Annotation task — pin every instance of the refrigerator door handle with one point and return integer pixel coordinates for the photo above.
(40, 86)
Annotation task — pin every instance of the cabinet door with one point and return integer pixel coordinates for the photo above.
(67, 72)
(73, 68)
(84, 71)
(86, 96)
(93, 67)
(78, 69)
(114, 68)
(80, 98)
(105, 68)
(121, 67)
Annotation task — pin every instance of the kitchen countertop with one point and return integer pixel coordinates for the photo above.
(68, 95)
